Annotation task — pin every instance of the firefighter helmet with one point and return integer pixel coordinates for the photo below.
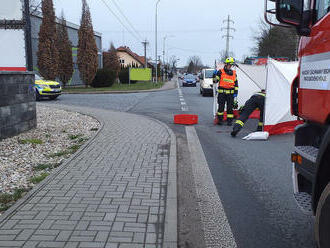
(230, 61)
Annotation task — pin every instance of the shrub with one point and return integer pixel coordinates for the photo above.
(124, 76)
(104, 78)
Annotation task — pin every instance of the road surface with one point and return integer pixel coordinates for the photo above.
(253, 179)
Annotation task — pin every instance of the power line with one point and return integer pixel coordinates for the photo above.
(115, 15)
(127, 20)
(194, 51)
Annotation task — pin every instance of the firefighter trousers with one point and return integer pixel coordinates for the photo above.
(252, 104)
(226, 99)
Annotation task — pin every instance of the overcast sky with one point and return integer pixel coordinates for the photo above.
(193, 27)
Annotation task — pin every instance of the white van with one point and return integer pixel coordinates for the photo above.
(206, 83)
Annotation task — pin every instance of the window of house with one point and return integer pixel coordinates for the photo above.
(122, 61)
(322, 8)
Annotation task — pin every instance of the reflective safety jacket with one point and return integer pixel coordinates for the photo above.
(228, 83)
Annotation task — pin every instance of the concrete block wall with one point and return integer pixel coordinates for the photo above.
(17, 103)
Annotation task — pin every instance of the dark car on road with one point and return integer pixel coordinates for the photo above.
(189, 80)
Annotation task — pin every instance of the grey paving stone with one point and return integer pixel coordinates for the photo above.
(24, 235)
(31, 244)
(46, 244)
(92, 244)
(42, 238)
(7, 237)
(110, 195)
(11, 243)
(64, 236)
(102, 236)
(71, 245)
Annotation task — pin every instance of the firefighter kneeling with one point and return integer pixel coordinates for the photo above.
(257, 101)
(227, 91)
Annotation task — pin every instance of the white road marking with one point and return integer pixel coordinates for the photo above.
(216, 228)
(184, 106)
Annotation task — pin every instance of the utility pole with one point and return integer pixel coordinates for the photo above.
(145, 43)
(156, 40)
(28, 39)
(228, 36)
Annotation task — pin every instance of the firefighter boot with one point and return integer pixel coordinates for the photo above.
(236, 129)
(220, 120)
(260, 126)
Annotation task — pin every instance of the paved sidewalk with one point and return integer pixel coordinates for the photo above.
(115, 192)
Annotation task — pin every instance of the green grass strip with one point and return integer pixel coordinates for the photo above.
(38, 179)
(117, 87)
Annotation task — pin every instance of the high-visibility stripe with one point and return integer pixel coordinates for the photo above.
(236, 88)
(261, 94)
(230, 116)
(219, 113)
(226, 91)
(240, 122)
(260, 124)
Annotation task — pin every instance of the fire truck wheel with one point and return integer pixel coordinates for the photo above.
(322, 221)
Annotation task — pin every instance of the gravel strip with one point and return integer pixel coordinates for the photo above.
(58, 135)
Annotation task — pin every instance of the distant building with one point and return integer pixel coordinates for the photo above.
(127, 58)
(262, 60)
(36, 19)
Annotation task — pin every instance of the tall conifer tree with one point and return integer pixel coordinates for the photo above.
(47, 51)
(87, 57)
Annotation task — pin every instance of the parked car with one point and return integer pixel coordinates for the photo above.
(189, 80)
(46, 88)
(206, 83)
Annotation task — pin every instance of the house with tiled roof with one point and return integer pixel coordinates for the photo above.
(128, 58)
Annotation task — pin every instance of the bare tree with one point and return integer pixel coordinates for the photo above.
(47, 50)
(173, 62)
(195, 64)
(64, 46)
(87, 49)
(276, 41)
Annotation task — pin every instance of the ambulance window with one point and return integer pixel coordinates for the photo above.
(322, 8)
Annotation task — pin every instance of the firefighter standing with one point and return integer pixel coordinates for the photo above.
(257, 101)
(227, 91)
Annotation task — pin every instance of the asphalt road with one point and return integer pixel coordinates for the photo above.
(253, 178)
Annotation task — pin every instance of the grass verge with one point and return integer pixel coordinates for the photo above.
(38, 179)
(116, 87)
(7, 200)
(30, 141)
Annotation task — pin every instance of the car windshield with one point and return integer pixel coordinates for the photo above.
(189, 77)
(209, 73)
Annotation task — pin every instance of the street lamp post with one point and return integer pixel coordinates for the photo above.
(165, 37)
(156, 55)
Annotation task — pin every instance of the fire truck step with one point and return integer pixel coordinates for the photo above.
(308, 152)
(304, 201)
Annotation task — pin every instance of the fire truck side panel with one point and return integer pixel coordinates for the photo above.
(314, 85)
(314, 105)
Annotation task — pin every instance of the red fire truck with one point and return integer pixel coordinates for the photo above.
(310, 100)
